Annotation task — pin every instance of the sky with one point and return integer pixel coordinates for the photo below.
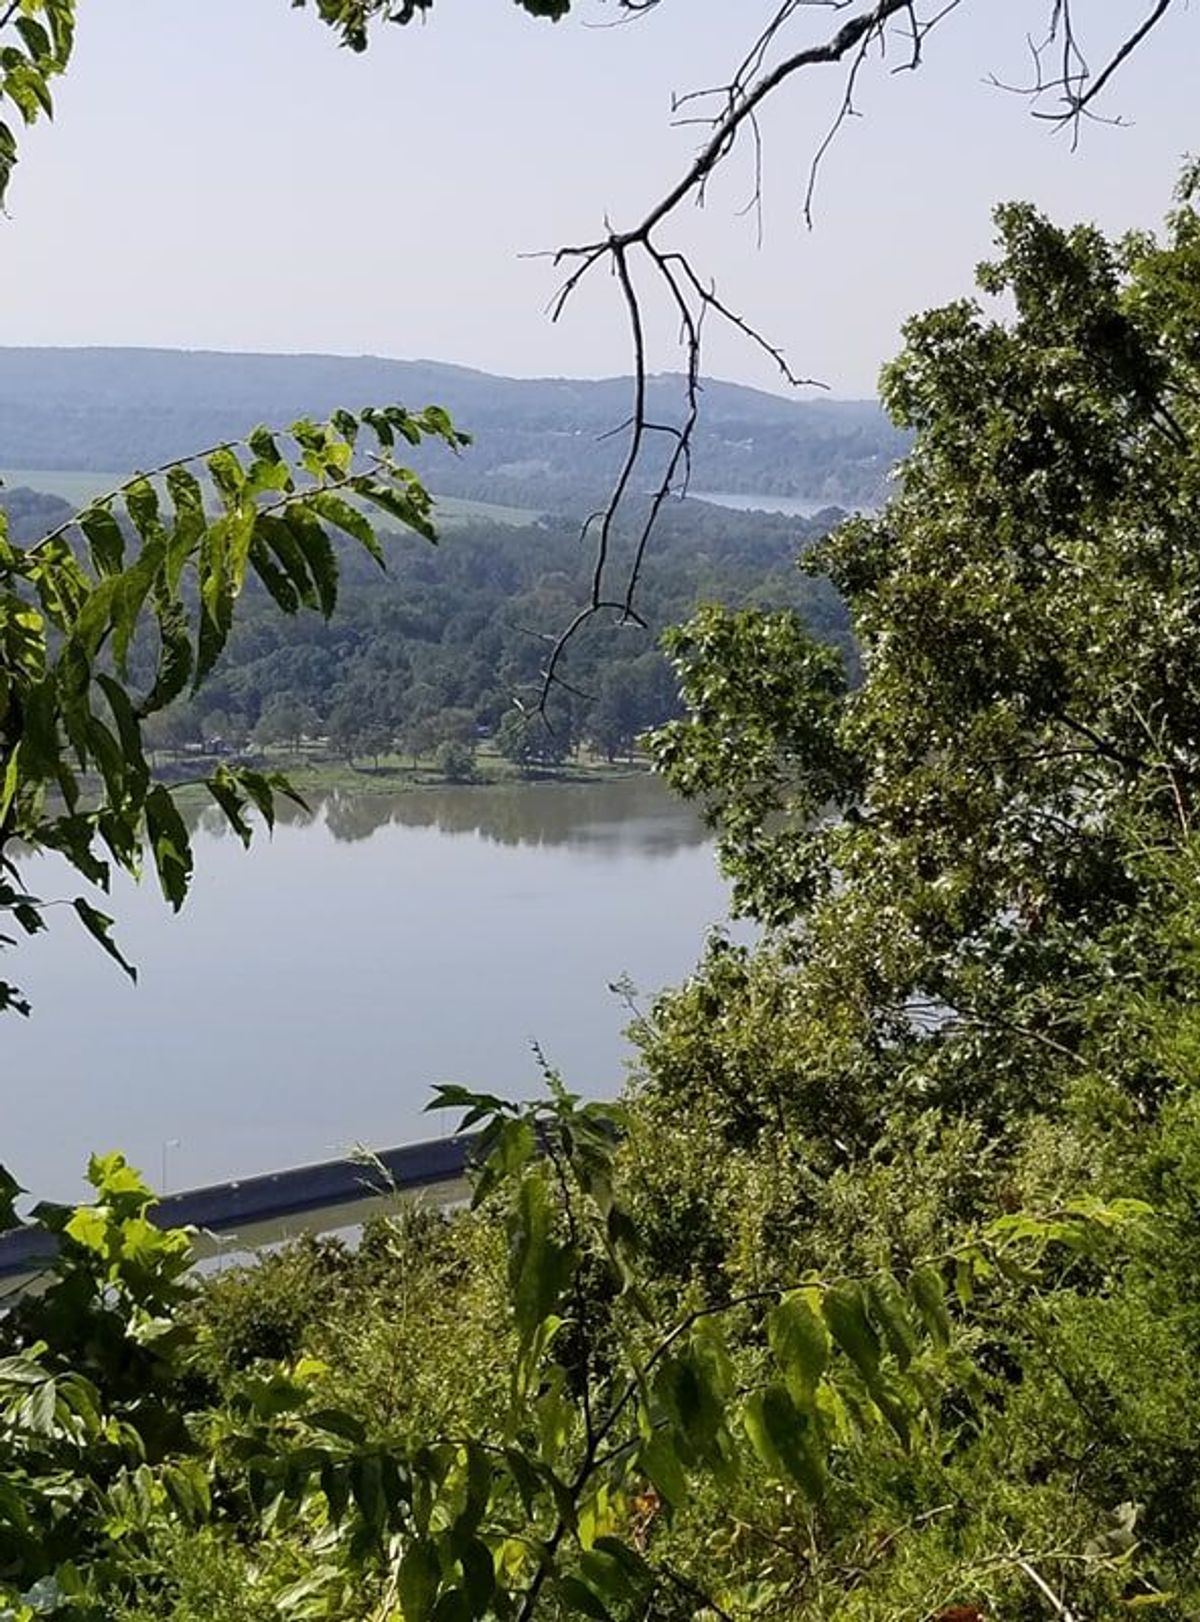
(220, 175)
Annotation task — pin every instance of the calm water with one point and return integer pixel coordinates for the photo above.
(792, 506)
(313, 989)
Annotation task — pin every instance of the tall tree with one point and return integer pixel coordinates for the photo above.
(959, 858)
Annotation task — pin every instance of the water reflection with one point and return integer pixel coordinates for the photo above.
(312, 990)
(637, 813)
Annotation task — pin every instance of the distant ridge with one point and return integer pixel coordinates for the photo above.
(536, 439)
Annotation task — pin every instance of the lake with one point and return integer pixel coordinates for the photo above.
(314, 988)
(790, 506)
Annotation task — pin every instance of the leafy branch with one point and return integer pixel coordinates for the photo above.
(77, 613)
(37, 48)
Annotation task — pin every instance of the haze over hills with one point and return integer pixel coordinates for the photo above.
(537, 441)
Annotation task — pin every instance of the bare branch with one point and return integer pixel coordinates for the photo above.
(1070, 77)
(1060, 65)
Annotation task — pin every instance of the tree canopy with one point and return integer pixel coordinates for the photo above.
(960, 830)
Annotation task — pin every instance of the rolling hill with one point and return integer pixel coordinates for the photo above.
(538, 441)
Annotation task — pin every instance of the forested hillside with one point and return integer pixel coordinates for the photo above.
(437, 648)
(545, 442)
(441, 644)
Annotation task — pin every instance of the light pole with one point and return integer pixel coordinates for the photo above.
(167, 1143)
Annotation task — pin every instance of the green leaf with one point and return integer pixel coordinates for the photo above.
(89, 1228)
(582, 1600)
(261, 790)
(128, 731)
(451, 1095)
(539, 1266)
(339, 1423)
(129, 596)
(479, 1575)
(638, 1574)
(319, 556)
(692, 1388)
(355, 523)
(418, 1579)
(105, 540)
(799, 1342)
(785, 1439)
(169, 842)
(282, 590)
(526, 1476)
(227, 475)
(226, 791)
(615, 1573)
(187, 1487)
(141, 503)
(37, 1412)
(929, 1298)
(274, 539)
(295, 1596)
(888, 1399)
(10, 1190)
(262, 442)
(99, 926)
(890, 1313)
(845, 1312)
(34, 37)
(185, 491)
(506, 1148)
(366, 1487)
(335, 1484)
(660, 1464)
(404, 507)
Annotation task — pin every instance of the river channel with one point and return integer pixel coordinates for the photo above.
(314, 989)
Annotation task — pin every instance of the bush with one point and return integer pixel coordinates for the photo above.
(456, 761)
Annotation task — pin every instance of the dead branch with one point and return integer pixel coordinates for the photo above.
(632, 255)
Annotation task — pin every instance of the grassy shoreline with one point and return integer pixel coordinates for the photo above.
(315, 773)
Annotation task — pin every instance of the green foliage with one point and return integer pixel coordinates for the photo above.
(38, 38)
(961, 839)
(877, 1297)
(455, 760)
(506, 1413)
(352, 19)
(72, 605)
(440, 646)
(87, 1394)
(534, 741)
(973, 1003)
(761, 737)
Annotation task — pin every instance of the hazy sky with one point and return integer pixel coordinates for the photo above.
(220, 175)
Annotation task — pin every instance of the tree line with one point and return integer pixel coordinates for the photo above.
(446, 647)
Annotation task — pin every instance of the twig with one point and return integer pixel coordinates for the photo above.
(1040, 1582)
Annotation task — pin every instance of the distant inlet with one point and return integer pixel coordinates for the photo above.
(790, 506)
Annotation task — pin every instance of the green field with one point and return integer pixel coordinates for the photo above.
(79, 486)
(455, 511)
